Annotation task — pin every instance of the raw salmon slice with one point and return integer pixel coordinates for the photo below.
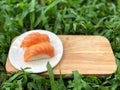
(39, 51)
(34, 38)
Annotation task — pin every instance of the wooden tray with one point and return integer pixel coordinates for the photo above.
(90, 55)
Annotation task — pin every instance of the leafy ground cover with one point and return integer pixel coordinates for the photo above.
(81, 17)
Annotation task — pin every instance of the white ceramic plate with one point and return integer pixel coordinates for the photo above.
(16, 53)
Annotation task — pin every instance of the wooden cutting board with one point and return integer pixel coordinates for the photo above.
(90, 55)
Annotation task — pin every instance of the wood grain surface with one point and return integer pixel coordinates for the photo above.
(90, 55)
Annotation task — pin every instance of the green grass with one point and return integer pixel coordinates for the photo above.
(69, 17)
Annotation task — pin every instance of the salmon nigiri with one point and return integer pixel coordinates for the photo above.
(38, 51)
(34, 38)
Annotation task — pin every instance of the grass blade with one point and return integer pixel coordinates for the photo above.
(80, 83)
(51, 75)
(61, 82)
(77, 78)
(53, 4)
(19, 85)
(58, 23)
(32, 20)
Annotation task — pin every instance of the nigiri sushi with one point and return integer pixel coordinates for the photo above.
(39, 51)
(34, 38)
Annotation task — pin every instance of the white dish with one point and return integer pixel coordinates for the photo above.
(16, 53)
